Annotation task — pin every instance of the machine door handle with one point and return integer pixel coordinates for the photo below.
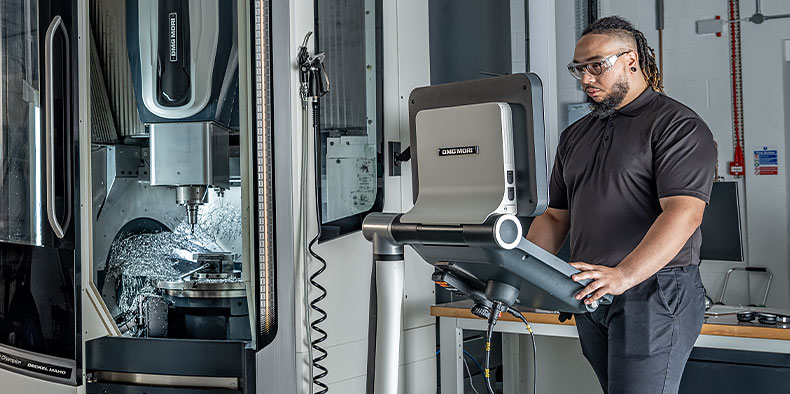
(49, 113)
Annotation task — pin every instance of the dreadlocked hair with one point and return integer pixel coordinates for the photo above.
(619, 27)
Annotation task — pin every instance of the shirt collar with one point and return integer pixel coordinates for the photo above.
(635, 107)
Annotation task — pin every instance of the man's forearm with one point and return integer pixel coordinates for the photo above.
(661, 244)
(549, 230)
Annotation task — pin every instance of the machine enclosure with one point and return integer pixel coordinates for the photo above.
(194, 56)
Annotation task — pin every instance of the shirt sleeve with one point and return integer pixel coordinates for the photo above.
(558, 192)
(684, 160)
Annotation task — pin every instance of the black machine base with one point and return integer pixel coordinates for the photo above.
(189, 358)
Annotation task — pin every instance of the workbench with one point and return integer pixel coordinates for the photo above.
(718, 332)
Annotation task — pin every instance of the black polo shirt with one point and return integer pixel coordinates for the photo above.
(610, 174)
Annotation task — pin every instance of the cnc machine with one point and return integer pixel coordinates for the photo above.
(167, 229)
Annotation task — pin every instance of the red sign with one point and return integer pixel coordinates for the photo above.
(766, 170)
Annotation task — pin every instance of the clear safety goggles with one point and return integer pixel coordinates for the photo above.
(596, 68)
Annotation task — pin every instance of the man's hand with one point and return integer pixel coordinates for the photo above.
(605, 280)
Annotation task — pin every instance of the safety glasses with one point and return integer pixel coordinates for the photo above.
(596, 68)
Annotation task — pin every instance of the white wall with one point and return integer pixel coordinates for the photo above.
(786, 84)
(696, 72)
(518, 35)
(568, 91)
(766, 196)
(543, 54)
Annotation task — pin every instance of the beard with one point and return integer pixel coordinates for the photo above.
(606, 107)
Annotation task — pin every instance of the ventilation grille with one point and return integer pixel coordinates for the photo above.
(108, 22)
(102, 122)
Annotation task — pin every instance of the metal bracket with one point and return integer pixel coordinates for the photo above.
(393, 153)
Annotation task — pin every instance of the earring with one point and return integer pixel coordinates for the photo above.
(633, 69)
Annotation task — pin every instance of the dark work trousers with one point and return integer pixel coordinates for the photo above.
(640, 343)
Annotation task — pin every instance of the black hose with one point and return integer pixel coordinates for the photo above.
(315, 344)
(518, 314)
(492, 319)
(487, 370)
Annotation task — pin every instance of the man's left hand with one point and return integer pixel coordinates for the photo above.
(605, 280)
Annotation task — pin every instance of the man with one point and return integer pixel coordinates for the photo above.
(630, 183)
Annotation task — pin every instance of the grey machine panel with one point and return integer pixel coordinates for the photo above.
(523, 93)
(464, 146)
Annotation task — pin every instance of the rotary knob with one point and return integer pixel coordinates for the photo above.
(481, 310)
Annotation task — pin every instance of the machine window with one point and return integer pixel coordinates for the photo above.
(351, 161)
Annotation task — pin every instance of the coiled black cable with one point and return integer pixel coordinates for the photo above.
(314, 83)
(314, 325)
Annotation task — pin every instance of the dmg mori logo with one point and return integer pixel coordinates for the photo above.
(461, 150)
(173, 39)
